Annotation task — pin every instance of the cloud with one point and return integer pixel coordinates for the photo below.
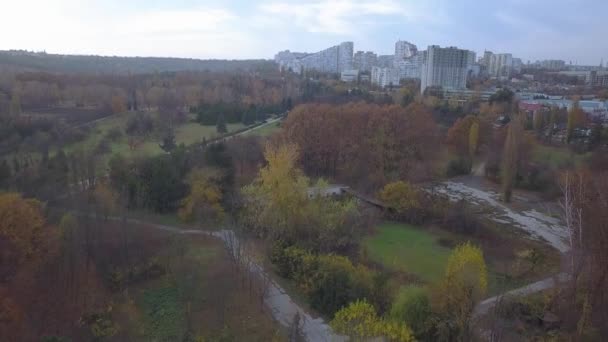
(339, 17)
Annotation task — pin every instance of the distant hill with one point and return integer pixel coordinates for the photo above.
(40, 61)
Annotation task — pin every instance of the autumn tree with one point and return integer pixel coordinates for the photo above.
(282, 204)
(203, 202)
(576, 118)
(21, 225)
(465, 283)
(585, 211)
(364, 145)
(360, 322)
(459, 134)
(508, 170)
(278, 197)
(118, 104)
(400, 196)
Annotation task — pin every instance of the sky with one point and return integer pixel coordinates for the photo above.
(572, 30)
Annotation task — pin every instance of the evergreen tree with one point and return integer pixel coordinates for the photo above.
(221, 124)
(168, 143)
(5, 171)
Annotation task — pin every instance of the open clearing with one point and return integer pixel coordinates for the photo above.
(405, 248)
(417, 253)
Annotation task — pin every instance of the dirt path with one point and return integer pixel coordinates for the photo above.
(538, 224)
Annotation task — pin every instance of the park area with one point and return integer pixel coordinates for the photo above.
(197, 294)
(416, 255)
(187, 133)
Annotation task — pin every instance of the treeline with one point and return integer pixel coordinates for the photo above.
(113, 64)
(37, 90)
(365, 145)
(211, 114)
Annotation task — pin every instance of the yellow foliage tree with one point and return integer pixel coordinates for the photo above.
(464, 284)
(400, 195)
(360, 322)
(21, 223)
(278, 197)
(204, 200)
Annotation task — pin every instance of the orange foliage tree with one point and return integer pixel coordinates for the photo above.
(362, 144)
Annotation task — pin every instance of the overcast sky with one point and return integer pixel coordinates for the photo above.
(573, 30)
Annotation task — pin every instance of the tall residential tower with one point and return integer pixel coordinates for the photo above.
(444, 67)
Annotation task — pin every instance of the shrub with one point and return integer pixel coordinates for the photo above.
(458, 166)
(329, 281)
(360, 321)
(459, 219)
(412, 306)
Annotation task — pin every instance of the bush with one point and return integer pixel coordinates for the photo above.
(459, 166)
(114, 134)
(460, 219)
(329, 281)
(119, 279)
(412, 306)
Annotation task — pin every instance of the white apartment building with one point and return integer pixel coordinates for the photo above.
(501, 65)
(349, 75)
(403, 50)
(385, 77)
(364, 61)
(332, 60)
(444, 67)
(386, 61)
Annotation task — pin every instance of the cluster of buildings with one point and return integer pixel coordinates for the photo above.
(435, 67)
(447, 68)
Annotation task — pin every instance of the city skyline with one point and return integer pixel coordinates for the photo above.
(236, 29)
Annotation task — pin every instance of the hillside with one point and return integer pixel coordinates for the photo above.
(40, 61)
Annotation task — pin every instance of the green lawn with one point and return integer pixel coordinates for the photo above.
(409, 249)
(188, 133)
(164, 303)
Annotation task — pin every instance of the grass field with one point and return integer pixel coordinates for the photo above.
(409, 249)
(417, 252)
(200, 295)
(188, 133)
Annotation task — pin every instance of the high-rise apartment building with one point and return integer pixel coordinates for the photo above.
(404, 50)
(444, 67)
(385, 77)
(386, 61)
(364, 61)
(501, 65)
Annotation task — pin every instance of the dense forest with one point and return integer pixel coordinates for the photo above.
(41, 61)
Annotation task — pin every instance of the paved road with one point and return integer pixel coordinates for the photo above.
(283, 308)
